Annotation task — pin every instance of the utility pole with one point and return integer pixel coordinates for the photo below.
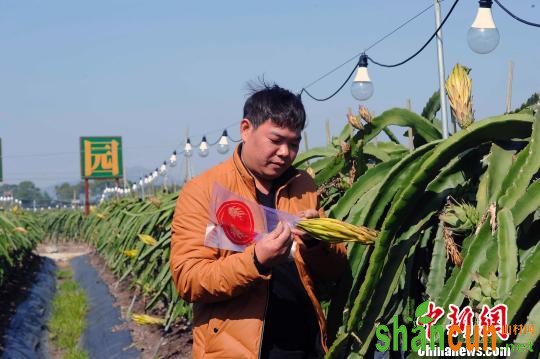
(440, 58)
(328, 138)
(86, 197)
(509, 87)
(409, 131)
(187, 159)
(124, 174)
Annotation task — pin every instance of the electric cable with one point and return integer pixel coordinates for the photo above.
(514, 16)
(424, 46)
(304, 89)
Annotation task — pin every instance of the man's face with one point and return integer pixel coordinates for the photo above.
(269, 149)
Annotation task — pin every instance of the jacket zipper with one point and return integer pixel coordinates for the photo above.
(268, 283)
(301, 278)
(264, 318)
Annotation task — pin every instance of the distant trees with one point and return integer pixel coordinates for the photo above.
(27, 192)
(65, 193)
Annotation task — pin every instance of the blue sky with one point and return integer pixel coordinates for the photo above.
(148, 70)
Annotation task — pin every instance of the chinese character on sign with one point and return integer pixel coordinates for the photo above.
(435, 313)
(101, 157)
(462, 318)
(497, 317)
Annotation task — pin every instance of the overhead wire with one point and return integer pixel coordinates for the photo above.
(375, 43)
(515, 16)
(423, 46)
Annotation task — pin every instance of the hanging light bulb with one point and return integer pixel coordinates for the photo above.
(172, 159)
(140, 181)
(163, 169)
(134, 187)
(155, 173)
(203, 148)
(188, 150)
(483, 37)
(223, 144)
(362, 87)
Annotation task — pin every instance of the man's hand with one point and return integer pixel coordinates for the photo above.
(304, 237)
(275, 246)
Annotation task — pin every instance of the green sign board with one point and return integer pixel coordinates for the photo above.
(1, 174)
(101, 157)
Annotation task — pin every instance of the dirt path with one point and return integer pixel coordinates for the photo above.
(63, 252)
(177, 342)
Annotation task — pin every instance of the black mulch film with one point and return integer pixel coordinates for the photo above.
(26, 335)
(99, 339)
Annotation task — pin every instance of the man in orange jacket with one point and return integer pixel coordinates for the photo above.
(260, 302)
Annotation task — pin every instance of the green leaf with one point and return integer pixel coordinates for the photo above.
(404, 118)
(508, 253)
(390, 135)
(523, 170)
(394, 180)
(527, 280)
(335, 167)
(525, 338)
(502, 127)
(432, 107)
(314, 153)
(422, 309)
(365, 182)
(425, 320)
(437, 268)
(498, 164)
(527, 204)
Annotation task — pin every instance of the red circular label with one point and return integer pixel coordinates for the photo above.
(236, 219)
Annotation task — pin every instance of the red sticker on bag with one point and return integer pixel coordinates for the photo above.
(236, 219)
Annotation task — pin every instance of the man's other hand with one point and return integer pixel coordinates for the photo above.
(304, 237)
(274, 248)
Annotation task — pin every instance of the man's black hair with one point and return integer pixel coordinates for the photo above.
(271, 102)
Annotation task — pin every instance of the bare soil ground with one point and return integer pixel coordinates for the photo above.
(175, 344)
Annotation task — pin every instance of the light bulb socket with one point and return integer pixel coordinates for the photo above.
(225, 133)
(485, 3)
(363, 61)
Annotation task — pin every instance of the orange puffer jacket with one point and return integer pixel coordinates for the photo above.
(228, 292)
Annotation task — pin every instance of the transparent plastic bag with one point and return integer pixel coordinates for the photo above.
(237, 222)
